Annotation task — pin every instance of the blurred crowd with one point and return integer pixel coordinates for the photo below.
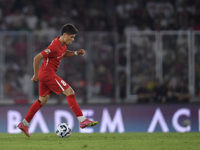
(44, 18)
(104, 15)
(163, 93)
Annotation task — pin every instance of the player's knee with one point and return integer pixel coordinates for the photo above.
(69, 91)
(43, 99)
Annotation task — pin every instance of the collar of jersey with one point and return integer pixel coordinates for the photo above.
(60, 43)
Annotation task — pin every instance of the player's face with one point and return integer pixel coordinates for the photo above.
(69, 38)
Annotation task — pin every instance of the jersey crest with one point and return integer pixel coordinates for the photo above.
(47, 51)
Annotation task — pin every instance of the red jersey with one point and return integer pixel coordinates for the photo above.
(52, 57)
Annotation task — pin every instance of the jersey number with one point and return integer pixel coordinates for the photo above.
(63, 82)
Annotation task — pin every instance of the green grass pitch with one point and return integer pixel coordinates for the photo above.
(102, 141)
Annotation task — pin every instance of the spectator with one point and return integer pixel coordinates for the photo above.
(158, 92)
(144, 95)
(123, 9)
(31, 19)
(16, 19)
(169, 94)
(182, 93)
(20, 46)
(24, 77)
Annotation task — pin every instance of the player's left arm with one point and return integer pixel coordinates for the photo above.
(71, 53)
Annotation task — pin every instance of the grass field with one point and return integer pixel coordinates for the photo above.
(99, 141)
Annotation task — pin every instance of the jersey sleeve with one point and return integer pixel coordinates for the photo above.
(50, 51)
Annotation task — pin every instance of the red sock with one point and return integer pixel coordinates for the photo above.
(33, 109)
(74, 106)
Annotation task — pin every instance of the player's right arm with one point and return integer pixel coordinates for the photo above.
(36, 63)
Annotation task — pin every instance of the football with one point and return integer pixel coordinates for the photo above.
(63, 130)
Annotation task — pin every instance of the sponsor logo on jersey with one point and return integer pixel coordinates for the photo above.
(47, 51)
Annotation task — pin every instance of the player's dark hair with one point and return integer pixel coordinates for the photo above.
(69, 29)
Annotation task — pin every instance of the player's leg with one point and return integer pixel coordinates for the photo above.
(58, 85)
(43, 90)
(34, 108)
(70, 96)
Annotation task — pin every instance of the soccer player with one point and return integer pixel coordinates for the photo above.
(49, 81)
